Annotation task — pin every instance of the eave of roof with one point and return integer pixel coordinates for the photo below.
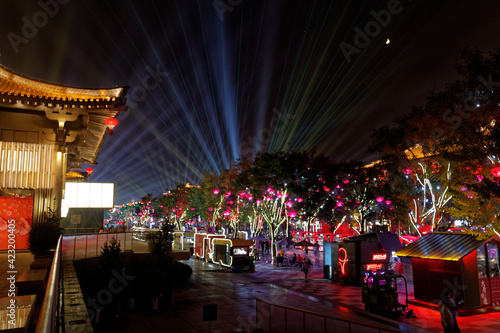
(443, 246)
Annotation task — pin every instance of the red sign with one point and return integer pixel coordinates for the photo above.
(380, 256)
(16, 214)
(495, 290)
(373, 267)
(484, 291)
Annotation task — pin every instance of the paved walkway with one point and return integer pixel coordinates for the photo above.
(235, 294)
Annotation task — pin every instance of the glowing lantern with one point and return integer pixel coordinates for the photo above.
(340, 204)
(379, 199)
(300, 199)
(346, 181)
(388, 202)
(327, 189)
(495, 172)
(268, 198)
(111, 123)
(279, 195)
(258, 201)
(292, 214)
(250, 197)
(89, 171)
(210, 209)
(406, 171)
(216, 191)
(226, 212)
(289, 203)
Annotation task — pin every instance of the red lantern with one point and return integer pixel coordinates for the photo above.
(89, 171)
(496, 172)
(111, 123)
(379, 199)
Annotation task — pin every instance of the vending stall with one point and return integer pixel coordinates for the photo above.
(354, 258)
(231, 252)
(203, 245)
(464, 262)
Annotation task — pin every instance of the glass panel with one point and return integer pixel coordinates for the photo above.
(314, 323)
(295, 321)
(492, 258)
(481, 262)
(277, 319)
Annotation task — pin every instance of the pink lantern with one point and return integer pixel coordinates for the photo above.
(479, 178)
(379, 199)
(346, 181)
(210, 209)
(216, 191)
(300, 199)
(292, 214)
(338, 186)
(327, 189)
(340, 204)
(226, 213)
(231, 202)
(279, 195)
(407, 171)
(250, 197)
(258, 201)
(464, 189)
(388, 202)
(496, 172)
(289, 203)
(268, 198)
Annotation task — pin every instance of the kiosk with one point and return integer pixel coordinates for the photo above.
(354, 258)
(460, 261)
(231, 252)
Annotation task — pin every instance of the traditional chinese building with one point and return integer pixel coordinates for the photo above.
(458, 261)
(46, 130)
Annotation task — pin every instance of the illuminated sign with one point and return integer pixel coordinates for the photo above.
(373, 267)
(88, 195)
(342, 259)
(379, 256)
(239, 251)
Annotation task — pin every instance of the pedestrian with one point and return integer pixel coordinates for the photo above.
(294, 260)
(262, 246)
(445, 311)
(399, 266)
(267, 247)
(300, 260)
(307, 266)
(454, 310)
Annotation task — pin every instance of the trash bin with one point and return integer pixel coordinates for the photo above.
(326, 272)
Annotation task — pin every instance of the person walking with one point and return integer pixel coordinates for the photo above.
(300, 260)
(454, 310)
(445, 312)
(307, 266)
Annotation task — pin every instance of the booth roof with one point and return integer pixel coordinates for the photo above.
(390, 242)
(443, 246)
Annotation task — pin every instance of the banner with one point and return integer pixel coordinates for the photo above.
(17, 212)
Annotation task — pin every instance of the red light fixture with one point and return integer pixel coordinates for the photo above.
(111, 123)
(496, 172)
(89, 171)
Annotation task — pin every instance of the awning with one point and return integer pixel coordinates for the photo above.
(442, 246)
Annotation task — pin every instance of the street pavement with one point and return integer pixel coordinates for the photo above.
(235, 293)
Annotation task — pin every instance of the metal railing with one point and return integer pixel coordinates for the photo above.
(81, 246)
(279, 318)
(50, 308)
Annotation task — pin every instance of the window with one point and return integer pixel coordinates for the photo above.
(492, 249)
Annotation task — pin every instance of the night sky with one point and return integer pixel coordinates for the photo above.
(213, 81)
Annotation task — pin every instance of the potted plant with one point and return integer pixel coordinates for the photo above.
(44, 236)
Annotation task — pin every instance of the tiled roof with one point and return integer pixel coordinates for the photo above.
(442, 246)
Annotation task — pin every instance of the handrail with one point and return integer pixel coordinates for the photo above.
(379, 328)
(47, 318)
